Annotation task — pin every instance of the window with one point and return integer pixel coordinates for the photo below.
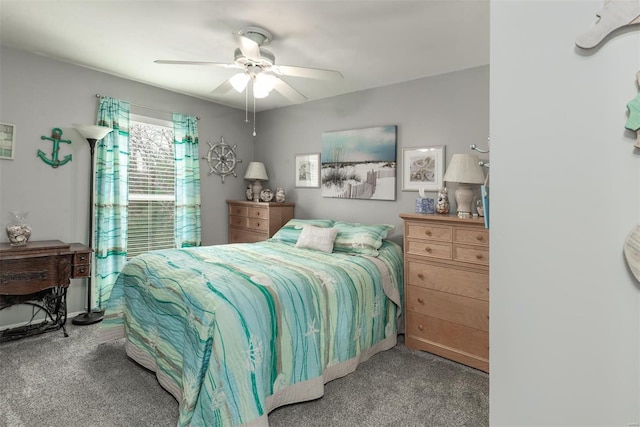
(151, 186)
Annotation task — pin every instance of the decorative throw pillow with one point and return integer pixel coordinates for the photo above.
(355, 238)
(316, 238)
(291, 230)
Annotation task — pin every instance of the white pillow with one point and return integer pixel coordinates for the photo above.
(316, 238)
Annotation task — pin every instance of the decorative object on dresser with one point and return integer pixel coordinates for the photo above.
(442, 206)
(38, 275)
(307, 170)
(465, 170)
(266, 195)
(423, 168)
(280, 195)
(446, 273)
(92, 133)
(256, 172)
(222, 159)
(256, 221)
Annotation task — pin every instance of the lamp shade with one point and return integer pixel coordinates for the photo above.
(464, 168)
(92, 131)
(256, 172)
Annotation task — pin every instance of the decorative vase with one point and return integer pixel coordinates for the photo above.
(442, 206)
(249, 193)
(266, 195)
(280, 196)
(18, 231)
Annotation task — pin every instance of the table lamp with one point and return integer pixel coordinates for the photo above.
(464, 170)
(256, 173)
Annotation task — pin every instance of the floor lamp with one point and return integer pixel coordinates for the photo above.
(92, 133)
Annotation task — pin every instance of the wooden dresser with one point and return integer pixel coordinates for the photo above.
(446, 275)
(256, 221)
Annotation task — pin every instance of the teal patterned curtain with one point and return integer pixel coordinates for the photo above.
(112, 162)
(187, 222)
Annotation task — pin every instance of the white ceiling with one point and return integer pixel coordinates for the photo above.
(372, 43)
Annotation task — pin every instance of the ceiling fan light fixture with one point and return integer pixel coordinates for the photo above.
(239, 81)
(265, 82)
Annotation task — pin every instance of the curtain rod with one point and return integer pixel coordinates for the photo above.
(145, 106)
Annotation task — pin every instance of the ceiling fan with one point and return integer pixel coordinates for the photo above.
(259, 67)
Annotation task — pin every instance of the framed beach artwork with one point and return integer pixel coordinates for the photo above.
(360, 163)
(307, 170)
(423, 167)
(7, 140)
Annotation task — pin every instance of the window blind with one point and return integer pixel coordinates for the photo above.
(151, 189)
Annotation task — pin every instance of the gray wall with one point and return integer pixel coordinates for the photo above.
(565, 311)
(38, 94)
(451, 110)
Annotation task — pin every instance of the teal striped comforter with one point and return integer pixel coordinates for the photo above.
(234, 331)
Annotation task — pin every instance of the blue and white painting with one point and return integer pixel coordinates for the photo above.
(359, 163)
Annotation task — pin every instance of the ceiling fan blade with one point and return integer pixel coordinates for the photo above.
(250, 49)
(309, 73)
(223, 88)
(218, 64)
(289, 92)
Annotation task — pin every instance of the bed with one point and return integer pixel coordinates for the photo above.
(235, 331)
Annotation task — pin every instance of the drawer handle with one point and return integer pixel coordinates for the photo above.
(257, 224)
(420, 300)
(427, 249)
(420, 327)
(480, 238)
(257, 213)
(479, 256)
(427, 232)
(420, 276)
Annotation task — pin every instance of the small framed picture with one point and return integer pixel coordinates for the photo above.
(7, 140)
(422, 167)
(307, 170)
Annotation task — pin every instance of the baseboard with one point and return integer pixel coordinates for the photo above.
(37, 319)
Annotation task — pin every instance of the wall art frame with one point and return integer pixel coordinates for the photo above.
(7, 141)
(360, 163)
(423, 167)
(307, 170)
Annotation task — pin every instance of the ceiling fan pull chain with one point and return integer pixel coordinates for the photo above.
(254, 116)
(246, 105)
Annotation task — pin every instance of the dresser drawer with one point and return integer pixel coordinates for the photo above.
(82, 258)
(419, 230)
(239, 221)
(475, 255)
(258, 213)
(259, 224)
(471, 236)
(428, 249)
(453, 308)
(245, 236)
(467, 283)
(452, 335)
(238, 210)
(81, 271)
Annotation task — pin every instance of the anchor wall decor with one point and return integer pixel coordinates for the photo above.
(56, 138)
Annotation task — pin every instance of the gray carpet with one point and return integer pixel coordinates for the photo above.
(49, 380)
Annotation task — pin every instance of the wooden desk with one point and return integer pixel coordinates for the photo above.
(39, 274)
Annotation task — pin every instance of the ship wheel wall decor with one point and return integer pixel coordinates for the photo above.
(222, 159)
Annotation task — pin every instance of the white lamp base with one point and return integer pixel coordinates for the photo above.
(464, 197)
(256, 188)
